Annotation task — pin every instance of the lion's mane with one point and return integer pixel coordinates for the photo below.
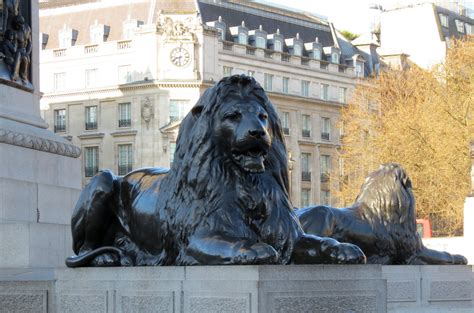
(194, 187)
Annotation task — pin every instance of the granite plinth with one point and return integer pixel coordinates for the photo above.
(292, 288)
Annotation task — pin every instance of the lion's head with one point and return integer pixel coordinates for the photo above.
(232, 128)
(387, 195)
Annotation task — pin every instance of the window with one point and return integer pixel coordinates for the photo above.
(306, 130)
(128, 29)
(460, 26)
(125, 114)
(251, 73)
(124, 74)
(286, 83)
(305, 88)
(91, 161)
(469, 29)
(285, 123)
(125, 161)
(268, 82)
(261, 42)
(317, 54)
(325, 92)
(335, 57)
(305, 197)
(97, 34)
(325, 167)
(91, 78)
(444, 20)
(65, 38)
(277, 46)
(342, 95)
(172, 151)
(325, 197)
(59, 81)
(243, 38)
(358, 69)
(221, 33)
(178, 109)
(325, 128)
(297, 50)
(91, 117)
(227, 71)
(305, 167)
(60, 120)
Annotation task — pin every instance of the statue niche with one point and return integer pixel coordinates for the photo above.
(16, 46)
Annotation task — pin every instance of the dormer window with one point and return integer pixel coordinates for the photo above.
(295, 45)
(258, 38)
(243, 38)
(297, 50)
(314, 49)
(220, 26)
(335, 57)
(129, 27)
(459, 26)
(67, 37)
(275, 41)
(469, 29)
(277, 46)
(444, 20)
(98, 33)
(240, 34)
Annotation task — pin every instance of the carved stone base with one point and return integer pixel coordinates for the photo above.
(303, 288)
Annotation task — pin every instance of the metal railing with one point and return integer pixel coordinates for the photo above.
(286, 130)
(124, 169)
(306, 176)
(306, 133)
(59, 128)
(325, 136)
(91, 170)
(324, 177)
(91, 125)
(125, 123)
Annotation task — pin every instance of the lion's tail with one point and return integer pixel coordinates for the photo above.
(86, 258)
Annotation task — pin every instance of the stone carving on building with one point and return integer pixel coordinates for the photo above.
(16, 46)
(147, 111)
(176, 29)
(38, 143)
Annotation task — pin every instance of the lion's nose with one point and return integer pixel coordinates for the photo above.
(257, 133)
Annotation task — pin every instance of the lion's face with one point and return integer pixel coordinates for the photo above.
(241, 130)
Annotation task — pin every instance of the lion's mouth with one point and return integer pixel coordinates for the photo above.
(251, 160)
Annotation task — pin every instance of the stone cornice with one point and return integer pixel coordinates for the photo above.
(127, 87)
(38, 143)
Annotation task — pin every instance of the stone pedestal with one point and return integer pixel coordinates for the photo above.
(40, 176)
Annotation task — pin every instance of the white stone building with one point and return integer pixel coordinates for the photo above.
(118, 76)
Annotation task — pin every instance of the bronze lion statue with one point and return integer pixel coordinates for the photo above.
(382, 222)
(224, 201)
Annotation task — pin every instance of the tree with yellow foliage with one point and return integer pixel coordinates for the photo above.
(422, 120)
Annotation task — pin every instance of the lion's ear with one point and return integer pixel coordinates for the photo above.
(196, 110)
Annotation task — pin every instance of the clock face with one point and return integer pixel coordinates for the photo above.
(179, 56)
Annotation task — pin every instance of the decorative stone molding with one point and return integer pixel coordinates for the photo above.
(38, 143)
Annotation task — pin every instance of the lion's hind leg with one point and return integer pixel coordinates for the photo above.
(93, 223)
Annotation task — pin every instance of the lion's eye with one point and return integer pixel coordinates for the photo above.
(234, 116)
(263, 116)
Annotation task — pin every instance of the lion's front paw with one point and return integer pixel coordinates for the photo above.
(342, 253)
(259, 253)
(459, 259)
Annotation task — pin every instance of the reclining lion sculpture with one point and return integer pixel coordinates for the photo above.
(382, 222)
(224, 201)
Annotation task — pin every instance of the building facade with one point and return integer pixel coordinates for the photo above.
(118, 77)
